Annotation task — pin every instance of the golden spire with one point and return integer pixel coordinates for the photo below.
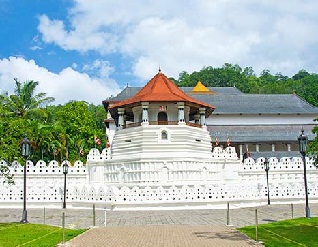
(200, 88)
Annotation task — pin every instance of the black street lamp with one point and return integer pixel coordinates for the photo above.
(65, 171)
(25, 151)
(303, 141)
(266, 167)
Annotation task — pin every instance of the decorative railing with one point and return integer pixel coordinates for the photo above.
(194, 124)
(163, 122)
(130, 125)
(247, 184)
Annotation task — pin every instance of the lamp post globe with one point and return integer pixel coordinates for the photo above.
(25, 152)
(302, 143)
(65, 171)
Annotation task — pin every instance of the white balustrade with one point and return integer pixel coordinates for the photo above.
(163, 181)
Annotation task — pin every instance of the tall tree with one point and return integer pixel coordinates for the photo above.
(20, 113)
(24, 101)
(79, 126)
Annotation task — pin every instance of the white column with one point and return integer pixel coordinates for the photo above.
(145, 118)
(136, 111)
(257, 147)
(273, 147)
(181, 112)
(241, 151)
(121, 112)
(202, 117)
(288, 147)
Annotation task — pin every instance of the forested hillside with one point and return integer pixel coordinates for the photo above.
(304, 84)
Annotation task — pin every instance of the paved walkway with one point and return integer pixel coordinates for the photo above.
(199, 227)
(165, 236)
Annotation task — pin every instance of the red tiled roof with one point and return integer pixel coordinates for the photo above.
(160, 89)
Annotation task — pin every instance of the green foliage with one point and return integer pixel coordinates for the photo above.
(24, 101)
(5, 172)
(296, 232)
(303, 83)
(55, 132)
(17, 234)
(227, 76)
(313, 145)
(60, 131)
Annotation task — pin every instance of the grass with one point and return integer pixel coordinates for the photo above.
(295, 232)
(35, 235)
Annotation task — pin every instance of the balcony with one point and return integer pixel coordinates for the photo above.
(130, 125)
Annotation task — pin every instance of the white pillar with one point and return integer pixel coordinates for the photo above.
(288, 147)
(257, 147)
(136, 111)
(181, 112)
(202, 117)
(145, 118)
(273, 147)
(241, 151)
(121, 112)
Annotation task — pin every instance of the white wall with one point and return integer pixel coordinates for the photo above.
(238, 182)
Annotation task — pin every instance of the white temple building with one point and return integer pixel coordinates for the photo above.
(162, 153)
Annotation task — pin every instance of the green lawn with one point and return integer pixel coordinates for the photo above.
(296, 232)
(36, 235)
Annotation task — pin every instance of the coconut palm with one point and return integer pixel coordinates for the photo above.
(25, 102)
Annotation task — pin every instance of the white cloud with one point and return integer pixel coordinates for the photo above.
(102, 68)
(65, 86)
(35, 47)
(53, 31)
(188, 35)
(191, 52)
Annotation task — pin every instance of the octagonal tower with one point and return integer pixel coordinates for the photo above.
(160, 122)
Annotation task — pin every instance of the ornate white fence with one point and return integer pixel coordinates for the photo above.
(45, 185)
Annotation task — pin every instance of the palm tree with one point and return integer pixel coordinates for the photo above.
(24, 102)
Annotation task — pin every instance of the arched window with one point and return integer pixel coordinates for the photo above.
(164, 135)
(162, 118)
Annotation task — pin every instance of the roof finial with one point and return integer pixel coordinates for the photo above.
(127, 85)
(159, 69)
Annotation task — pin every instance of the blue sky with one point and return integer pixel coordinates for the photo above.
(89, 50)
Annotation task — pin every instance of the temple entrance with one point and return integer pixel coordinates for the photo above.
(162, 118)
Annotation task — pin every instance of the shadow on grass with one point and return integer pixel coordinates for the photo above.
(231, 235)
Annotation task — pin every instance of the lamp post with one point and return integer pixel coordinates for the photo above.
(65, 171)
(302, 141)
(266, 167)
(25, 151)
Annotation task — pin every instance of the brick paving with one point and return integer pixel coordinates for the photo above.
(164, 235)
(196, 227)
